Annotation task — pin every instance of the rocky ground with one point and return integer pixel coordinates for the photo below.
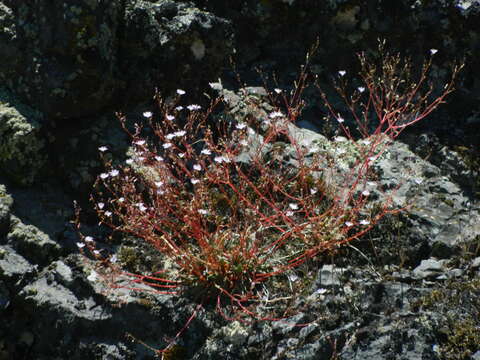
(409, 289)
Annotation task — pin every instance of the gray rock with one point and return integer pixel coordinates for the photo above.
(32, 243)
(70, 60)
(6, 203)
(21, 149)
(329, 275)
(13, 267)
(430, 268)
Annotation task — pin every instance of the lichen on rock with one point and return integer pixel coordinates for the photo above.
(21, 155)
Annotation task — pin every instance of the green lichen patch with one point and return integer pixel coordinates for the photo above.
(21, 156)
(458, 303)
(32, 243)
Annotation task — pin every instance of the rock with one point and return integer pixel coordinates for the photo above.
(32, 243)
(22, 149)
(14, 267)
(430, 268)
(71, 60)
(63, 273)
(328, 275)
(68, 55)
(4, 296)
(6, 203)
(235, 333)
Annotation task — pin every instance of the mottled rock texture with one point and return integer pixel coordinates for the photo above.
(76, 58)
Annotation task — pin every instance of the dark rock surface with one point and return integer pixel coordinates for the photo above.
(410, 289)
(74, 59)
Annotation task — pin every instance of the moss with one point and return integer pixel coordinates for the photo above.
(463, 340)
(129, 258)
(32, 243)
(463, 334)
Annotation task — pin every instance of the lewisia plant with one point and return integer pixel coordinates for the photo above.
(228, 206)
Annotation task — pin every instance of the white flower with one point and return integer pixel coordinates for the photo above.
(418, 181)
(243, 142)
(167, 145)
(197, 167)
(103, 175)
(205, 152)
(179, 108)
(96, 252)
(340, 119)
(158, 183)
(433, 51)
(203, 211)
(320, 291)
(218, 159)
(103, 148)
(366, 142)
(141, 207)
(180, 92)
(339, 139)
(140, 142)
(108, 213)
(251, 131)
(101, 205)
(147, 114)
(275, 114)
(278, 91)
(194, 181)
(93, 276)
(365, 193)
(113, 258)
(170, 117)
(121, 199)
(364, 222)
(313, 191)
(114, 172)
(241, 126)
(348, 224)
(194, 107)
(361, 89)
(293, 206)
(372, 158)
(160, 192)
(158, 158)
(342, 72)
(170, 136)
(292, 277)
(88, 239)
(289, 213)
(129, 161)
(180, 133)
(80, 245)
(181, 155)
